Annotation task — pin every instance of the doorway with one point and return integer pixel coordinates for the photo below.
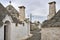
(6, 31)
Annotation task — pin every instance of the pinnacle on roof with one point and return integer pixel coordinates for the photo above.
(10, 2)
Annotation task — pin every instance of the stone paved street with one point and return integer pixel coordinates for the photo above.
(36, 35)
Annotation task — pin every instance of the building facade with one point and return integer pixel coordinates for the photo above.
(11, 27)
(51, 28)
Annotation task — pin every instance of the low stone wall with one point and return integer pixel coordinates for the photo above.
(52, 33)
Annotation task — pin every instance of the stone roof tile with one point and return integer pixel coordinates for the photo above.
(53, 22)
(3, 13)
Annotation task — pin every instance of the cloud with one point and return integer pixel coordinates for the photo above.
(40, 12)
(35, 7)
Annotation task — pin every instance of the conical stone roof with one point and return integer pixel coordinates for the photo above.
(12, 10)
(53, 22)
(4, 12)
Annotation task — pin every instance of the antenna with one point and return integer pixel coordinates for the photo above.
(30, 17)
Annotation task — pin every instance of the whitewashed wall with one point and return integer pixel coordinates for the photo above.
(16, 32)
(52, 33)
(2, 33)
(2, 28)
(19, 32)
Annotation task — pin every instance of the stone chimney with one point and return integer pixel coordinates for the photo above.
(52, 9)
(22, 13)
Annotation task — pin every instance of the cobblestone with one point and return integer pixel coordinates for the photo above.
(36, 35)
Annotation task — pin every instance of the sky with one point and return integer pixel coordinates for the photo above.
(38, 8)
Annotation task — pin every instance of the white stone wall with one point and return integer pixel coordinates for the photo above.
(7, 18)
(19, 32)
(52, 33)
(15, 32)
(2, 33)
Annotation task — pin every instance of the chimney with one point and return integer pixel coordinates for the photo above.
(52, 9)
(22, 13)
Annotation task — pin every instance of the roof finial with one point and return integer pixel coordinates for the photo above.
(10, 2)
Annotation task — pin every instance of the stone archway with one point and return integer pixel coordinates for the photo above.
(6, 31)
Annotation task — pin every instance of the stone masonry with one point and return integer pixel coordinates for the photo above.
(52, 33)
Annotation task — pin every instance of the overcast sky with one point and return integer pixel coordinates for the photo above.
(38, 8)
